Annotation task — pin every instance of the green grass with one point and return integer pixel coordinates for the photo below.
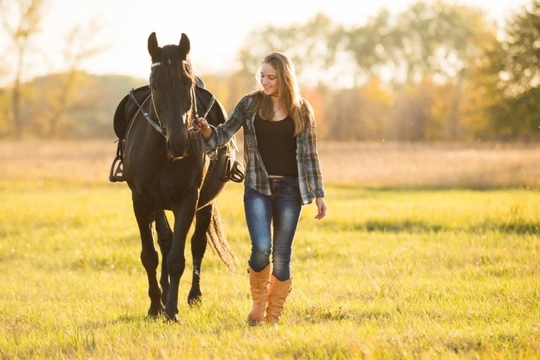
(388, 274)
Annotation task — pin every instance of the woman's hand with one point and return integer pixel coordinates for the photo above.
(321, 208)
(202, 125)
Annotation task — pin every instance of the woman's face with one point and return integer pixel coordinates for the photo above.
(269, 79)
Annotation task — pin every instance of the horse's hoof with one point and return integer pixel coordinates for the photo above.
(173, 319)
(154, 313)
(194, 298)
(195, 302)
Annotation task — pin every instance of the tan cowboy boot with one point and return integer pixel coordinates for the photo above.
(277, 295)
(258, 282)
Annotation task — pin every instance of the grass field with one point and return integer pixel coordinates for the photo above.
(404, 269)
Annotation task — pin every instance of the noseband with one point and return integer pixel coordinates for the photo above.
(157, 125)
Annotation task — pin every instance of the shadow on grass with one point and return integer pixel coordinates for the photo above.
(127, 319)
(411, 226)
(326, 314)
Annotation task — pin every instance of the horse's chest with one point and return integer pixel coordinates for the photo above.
(177, 180)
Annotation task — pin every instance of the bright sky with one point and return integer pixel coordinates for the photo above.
(216, 28)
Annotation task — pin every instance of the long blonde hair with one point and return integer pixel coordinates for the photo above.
(292, 101)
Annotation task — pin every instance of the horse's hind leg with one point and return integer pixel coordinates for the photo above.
(165, 238)
(149, 256)
(198, 248)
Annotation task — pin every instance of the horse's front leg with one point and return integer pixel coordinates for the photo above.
(165, 239)
(198, 248)
(176, 261)
(149, 255)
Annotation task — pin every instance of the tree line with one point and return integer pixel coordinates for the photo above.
(433, 72)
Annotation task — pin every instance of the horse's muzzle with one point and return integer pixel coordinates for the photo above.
(177, 148)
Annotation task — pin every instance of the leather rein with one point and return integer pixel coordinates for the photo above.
(157, 125)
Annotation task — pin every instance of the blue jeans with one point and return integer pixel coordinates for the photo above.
(282, 209)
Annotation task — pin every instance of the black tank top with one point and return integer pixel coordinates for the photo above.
(277, 146)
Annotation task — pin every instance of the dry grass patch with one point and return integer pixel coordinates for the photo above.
(370, 165)
(421, 165)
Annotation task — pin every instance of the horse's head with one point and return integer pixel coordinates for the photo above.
(172, 83)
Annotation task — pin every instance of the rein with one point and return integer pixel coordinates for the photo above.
(196, 119)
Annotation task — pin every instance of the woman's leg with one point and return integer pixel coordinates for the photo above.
(258, 211)
(286, 213)
(258, 216)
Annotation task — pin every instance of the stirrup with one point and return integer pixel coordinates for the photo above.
(237, 172)
(232, 172)
(117, 170)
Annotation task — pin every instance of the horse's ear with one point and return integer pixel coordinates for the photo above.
(153, 47)
(184, 45)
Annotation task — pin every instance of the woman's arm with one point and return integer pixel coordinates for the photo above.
(218, 136)
(313, 168)
(321, 208)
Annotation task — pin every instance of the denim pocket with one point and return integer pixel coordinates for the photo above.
(294, 189)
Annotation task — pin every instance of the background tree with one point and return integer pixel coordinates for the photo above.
(21, 20)
(44, 112)
(484, 97)
(311, 46)
(520, 74)
(359, 113)
(63, 95)
(436, 44)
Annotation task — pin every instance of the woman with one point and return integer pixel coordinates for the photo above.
(282, 174)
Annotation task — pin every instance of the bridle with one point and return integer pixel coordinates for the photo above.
(158, 125)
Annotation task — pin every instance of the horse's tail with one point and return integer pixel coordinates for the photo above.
(218, 242)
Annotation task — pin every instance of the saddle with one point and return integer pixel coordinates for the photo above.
(125, 113)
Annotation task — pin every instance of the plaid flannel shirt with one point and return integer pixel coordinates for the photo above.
(256, 177)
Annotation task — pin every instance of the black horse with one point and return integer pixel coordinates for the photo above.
(166, 168)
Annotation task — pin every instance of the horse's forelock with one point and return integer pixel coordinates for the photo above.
(171, 57)
(173, 63)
